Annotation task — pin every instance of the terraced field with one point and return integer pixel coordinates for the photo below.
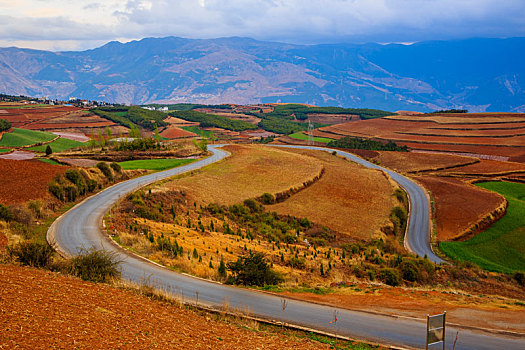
(497, 135)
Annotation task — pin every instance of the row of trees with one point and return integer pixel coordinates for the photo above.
(368, 144)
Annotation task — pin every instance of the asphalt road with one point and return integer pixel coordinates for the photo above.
(80, 228)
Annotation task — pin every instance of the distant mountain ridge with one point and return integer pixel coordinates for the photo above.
(474, 74)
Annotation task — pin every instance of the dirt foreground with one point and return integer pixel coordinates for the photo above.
(40, 309)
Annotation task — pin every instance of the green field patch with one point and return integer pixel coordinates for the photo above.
(154, 164)
(24, 106)
(23, 137)
(5, 150)
(58, 145)
(49, 161)
(302, 136)
(501, 248)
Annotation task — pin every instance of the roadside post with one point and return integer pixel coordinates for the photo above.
(436, 329)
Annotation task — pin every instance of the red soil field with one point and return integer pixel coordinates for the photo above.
(173, 132)
(413, 162)
(500, 134)
(23, 180)
(489, 167)
(459, 205)
(45, 310)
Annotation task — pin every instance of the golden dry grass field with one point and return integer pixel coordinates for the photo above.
(249, 172)
(349, 198)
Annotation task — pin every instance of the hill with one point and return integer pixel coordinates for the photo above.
(476, 74)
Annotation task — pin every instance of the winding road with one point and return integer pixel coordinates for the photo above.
(80, 228)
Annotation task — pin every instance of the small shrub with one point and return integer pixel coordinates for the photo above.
(409, 270)
(520, 278)
(222, 268)
(106, 170)
(116, 167)
(253, 269)
(267, 198)
(36, 254)
(5, 213)
(56, 190)
(48, 150)
(389, 276)
(95, 265)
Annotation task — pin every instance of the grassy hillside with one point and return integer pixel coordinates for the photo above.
(501, 248)
(133, 116)
(301, 111)
(211, 120)
(23, 137)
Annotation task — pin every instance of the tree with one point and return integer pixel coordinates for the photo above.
(253, 269)
(222, 268)
(48, 150)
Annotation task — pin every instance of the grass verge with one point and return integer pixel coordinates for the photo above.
(500, 248)
(23, 137)
(58, 145)
(154, 164)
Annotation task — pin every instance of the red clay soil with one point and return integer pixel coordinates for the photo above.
(23, 180)
(482, 311)
(3, 241)
(41, 309)
(489, 167)
(459, 205)
(415, 161)
(470, 133)
(173, 132)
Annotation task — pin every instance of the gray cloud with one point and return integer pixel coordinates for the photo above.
(297, 21)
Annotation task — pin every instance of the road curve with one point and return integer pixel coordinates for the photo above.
(417, 239)
(80, 228)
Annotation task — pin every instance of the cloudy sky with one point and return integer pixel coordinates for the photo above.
(77, 25)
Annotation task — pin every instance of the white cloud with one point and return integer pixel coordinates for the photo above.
(300, 21)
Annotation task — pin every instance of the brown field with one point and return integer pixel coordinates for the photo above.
(180, 122)
(499, 134)
(248, 173)
(485, 311)
(41, 309)
(463, 118)
(173, 132)
(407, 162)
(349, 198)
(24, 180)
(458, 205)
(60, 119)
(489, 167)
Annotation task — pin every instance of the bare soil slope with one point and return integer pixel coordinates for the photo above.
(40, 309)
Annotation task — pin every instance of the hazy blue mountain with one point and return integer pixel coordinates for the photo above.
(476, 74)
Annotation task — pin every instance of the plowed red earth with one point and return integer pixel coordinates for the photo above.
(458, 204)
(175, 133)
(40, 309)
(469, 133)
(23, 180)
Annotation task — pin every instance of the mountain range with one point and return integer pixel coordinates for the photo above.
(474, 74)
